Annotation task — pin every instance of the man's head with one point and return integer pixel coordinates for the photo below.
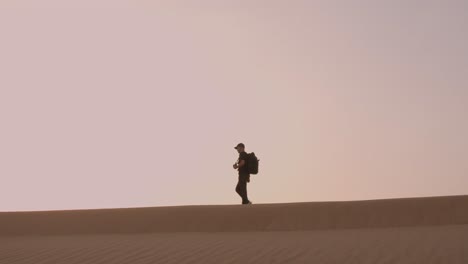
(240, 147)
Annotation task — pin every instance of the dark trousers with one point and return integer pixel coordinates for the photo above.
(241, 187)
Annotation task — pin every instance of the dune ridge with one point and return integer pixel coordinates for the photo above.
(429, 230)
(405, 212)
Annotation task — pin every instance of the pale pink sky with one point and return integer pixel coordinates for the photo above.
(139, 103)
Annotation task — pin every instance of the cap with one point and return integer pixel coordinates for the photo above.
(240, 145)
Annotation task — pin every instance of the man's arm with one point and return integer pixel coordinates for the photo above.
(240, 164)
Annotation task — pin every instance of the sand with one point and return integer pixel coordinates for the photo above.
(413, 230)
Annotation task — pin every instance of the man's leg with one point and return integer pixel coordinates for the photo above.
(241, 188)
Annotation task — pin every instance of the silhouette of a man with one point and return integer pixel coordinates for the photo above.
(244, 175)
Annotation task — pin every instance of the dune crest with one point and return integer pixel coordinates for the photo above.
(450, 210)
(400, 231)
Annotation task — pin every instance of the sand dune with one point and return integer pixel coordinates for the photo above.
(415, 230)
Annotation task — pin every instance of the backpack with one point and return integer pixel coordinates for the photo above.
(252, 163)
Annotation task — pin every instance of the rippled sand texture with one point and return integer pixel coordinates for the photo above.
(418, 230)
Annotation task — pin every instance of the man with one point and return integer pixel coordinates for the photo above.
(244, 175)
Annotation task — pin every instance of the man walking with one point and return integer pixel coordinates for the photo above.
(244, 175)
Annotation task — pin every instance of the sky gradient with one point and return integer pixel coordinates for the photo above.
(109, 104)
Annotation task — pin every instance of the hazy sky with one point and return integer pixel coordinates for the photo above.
(140, 103)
